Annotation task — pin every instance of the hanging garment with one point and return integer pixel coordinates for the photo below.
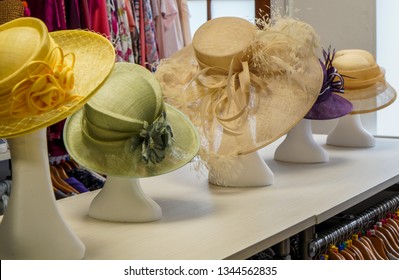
(137, 39)
(169, 35)
(133, 28)
(184, 14)
(151, 51)
(99, 17)
(76, 184)
(51, 12)
(72, 12)
(87, 178)
(55, 143)
(147, 46)
(85, 14)
(119, 30)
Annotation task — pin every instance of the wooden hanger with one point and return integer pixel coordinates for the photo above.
(380, 233)
(349, 251)
(60, 183)
(378, 244)
(345, 253)
(391, 221)
(73, 163)
(61, 172)
(366, 241)
(358, 255)
(65, 165)
(392, 229)
(366, 252)
(59, 186)
(333, 253)
(386, 229)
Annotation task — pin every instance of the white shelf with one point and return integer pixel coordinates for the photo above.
(207, 222)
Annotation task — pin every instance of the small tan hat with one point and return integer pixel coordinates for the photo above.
(364, 81)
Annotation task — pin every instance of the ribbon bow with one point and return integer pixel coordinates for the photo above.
(228, 95)
(40, 93)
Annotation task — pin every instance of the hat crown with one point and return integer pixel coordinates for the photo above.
(350, 60)
(217, 42)
(127, 100)
(359, 68)
(13, 58)
(27, 40)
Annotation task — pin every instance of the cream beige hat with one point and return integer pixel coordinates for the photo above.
(45, 77)
(127, 130)
(364, 81)
(242, 87)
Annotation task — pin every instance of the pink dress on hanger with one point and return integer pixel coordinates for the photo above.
(169, 34)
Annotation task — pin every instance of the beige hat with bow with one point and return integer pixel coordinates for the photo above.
(242, 87)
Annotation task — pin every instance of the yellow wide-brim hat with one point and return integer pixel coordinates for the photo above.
(45, 77)
(118, 131)
(242, 87)
(365, 85)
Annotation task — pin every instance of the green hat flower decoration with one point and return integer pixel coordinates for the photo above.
(157, 137)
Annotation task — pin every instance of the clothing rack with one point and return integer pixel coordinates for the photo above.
(342, 232)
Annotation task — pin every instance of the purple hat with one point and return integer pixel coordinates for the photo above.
(330, 105)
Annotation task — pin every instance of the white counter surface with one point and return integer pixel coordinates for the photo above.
(201, 221)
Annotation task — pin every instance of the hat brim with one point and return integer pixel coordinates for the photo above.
(94, 60)
(370, 99)
(332, 107)
(119, 163)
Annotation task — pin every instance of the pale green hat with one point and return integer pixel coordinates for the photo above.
(127, 130)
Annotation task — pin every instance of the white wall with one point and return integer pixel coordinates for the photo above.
(343, 24)
(219, 8)
(388, 57)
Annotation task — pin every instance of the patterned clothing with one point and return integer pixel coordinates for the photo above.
(119, 30)
(168, 28)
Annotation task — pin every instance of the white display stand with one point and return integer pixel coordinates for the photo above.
(248, 170)
(122, 200)
(32, 227)
(349, 132)
(299, 146)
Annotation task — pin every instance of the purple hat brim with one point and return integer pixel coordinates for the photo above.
(332, 107)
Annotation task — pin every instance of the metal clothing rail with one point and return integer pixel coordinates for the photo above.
(342, 232)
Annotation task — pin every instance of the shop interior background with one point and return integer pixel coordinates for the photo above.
(344, 24)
